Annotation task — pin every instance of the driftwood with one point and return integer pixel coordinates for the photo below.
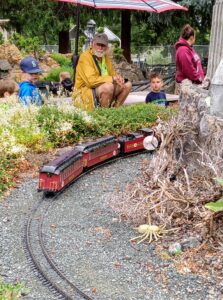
(179, 179)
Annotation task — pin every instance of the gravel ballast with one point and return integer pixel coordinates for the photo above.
(91, 245)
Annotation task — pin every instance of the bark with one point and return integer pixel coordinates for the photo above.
(64, 42)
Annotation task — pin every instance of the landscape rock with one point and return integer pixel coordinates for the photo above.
(49, 62)
(191, 242)
(175, 248)
(10, 53)
(130, 71)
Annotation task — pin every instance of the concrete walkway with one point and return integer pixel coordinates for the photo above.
(134, 97)
(139, 97)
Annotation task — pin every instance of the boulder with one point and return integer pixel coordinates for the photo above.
(130, 71)
(5, 68)
(10, 53)
(49, 62)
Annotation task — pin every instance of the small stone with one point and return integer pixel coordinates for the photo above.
(6, 219)
(175, 248)
(127, 257)
(114, 220)
(191, 242)
(186, 270)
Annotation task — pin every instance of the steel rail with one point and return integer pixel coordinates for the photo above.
(28, 247)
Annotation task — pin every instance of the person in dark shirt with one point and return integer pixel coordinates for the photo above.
(66, 82)
(156, 95)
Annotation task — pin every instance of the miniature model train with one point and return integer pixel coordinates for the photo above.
(60, 172)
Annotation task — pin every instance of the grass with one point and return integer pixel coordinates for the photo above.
(10, 291)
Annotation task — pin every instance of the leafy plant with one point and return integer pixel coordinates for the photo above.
(117, 52)
(10, 291)
(36, 141)
(65, 127)
(27, 44)
(129, 118)
(53, 74)
(81, 42)
(1, 39)
(155, 56)
(218, 205)
(62, 60)
(100, 29)
(6, 177)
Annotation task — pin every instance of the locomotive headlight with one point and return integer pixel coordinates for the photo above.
(150, 142)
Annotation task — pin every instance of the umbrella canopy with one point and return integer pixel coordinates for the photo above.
(145, 5)
(157, 6)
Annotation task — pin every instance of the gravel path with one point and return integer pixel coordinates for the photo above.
(90, 244)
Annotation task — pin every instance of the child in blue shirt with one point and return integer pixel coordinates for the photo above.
(156, 95)
(28, 91)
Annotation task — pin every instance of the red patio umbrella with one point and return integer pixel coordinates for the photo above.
(144, 5)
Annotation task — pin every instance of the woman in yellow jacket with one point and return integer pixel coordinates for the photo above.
(96, 81)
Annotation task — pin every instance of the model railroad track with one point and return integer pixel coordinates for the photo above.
(39, 257)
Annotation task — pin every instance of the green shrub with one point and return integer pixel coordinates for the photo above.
(155, 56)
(35, 141)
(117, 53)
(6, 178)
(1, 39)
(217, 205)
(27, 44)
(100, 29)
(10, 291)
(61, 60)
(53, 74)
(129, 118)
(63, 128)
(81, 42)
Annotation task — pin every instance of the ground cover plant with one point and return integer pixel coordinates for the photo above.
(10, 291)
(34, 130)
(65, 66)
(53, 74)
(62, 60)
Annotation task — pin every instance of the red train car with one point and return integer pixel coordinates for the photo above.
(61, 171)
(134, 141)
(98, 151)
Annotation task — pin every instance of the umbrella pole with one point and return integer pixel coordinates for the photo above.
(77, 29)
(75, 56)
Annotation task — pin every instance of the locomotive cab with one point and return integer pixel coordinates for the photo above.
(131, 143)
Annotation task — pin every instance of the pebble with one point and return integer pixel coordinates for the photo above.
(175, 248)
(88, 260)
